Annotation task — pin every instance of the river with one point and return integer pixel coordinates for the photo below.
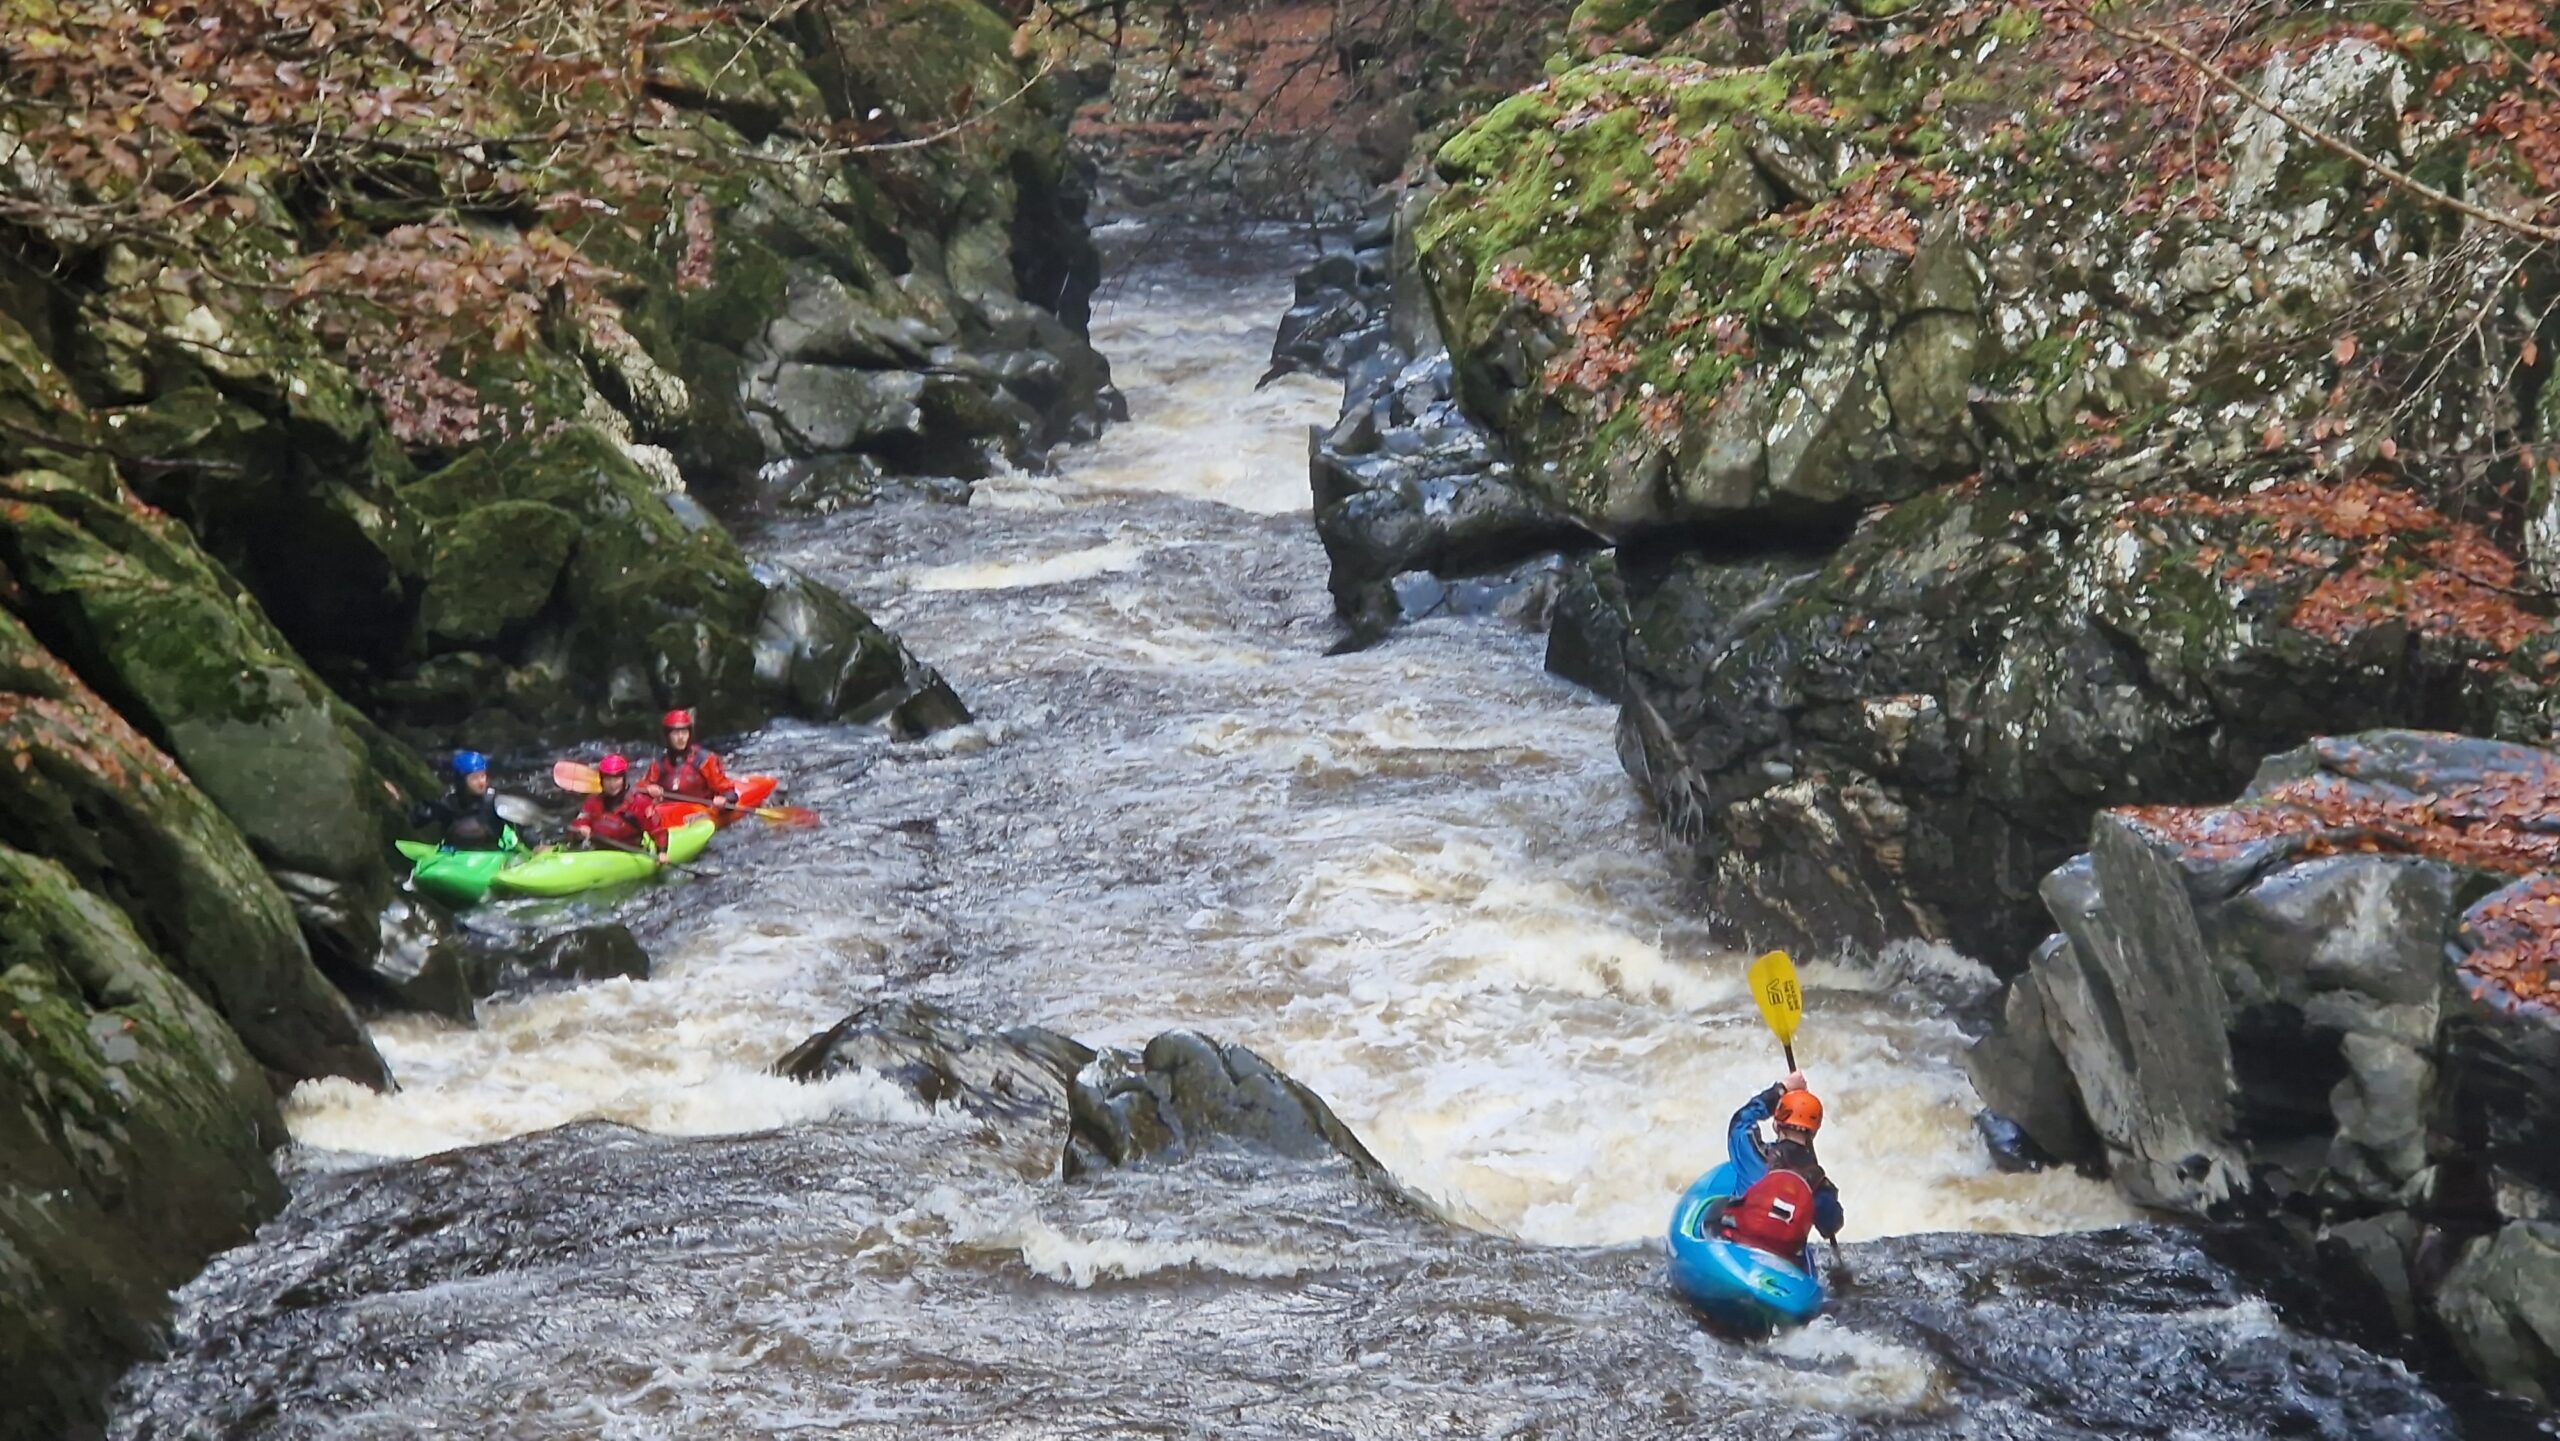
(1415, 878)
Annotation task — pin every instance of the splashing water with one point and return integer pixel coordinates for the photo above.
(1416, 878)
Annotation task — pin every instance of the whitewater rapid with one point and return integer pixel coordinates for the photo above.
(1416, 878)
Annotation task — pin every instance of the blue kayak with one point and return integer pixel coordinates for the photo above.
(1738, 1286)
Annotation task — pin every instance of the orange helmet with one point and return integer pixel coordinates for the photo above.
(1801, 1110)
(613, 766)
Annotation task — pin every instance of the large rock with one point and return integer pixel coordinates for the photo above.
(82, 789)
(596, 597)
(2104, 495)
(1061, 1108)
(1899, 739)
(130, 601)
(1408, 491)
(133, 1140)
(2335, 1000)
(818, 655)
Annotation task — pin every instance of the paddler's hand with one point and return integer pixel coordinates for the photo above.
(1793, 1082)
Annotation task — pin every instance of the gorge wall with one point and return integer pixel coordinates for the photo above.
(1964, 421)
(370, 377)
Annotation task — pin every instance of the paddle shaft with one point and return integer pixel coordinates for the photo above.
(653, 855)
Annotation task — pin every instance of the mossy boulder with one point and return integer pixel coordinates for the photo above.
(645, 610)
(494, 569)
(128, 598)
(1689, 294)
(133, 1137)
(1897, 740)
(1642, 289)
(81, 788)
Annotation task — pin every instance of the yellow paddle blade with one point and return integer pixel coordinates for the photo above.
(1773, 985)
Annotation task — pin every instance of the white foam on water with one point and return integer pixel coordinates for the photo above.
(1117, 1250)
(1056, 569)
(1415, 877)
(686, 1052)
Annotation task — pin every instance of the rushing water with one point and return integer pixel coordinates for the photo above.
(1415, 878)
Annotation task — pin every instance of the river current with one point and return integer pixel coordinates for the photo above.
(1414, 878)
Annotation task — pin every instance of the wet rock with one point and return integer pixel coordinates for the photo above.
(1587, 643)
(425, 964)
(2019, 1069)
(1059, 1107)
(1955, 691)
(89, 794)
(818, 655)
(133, 1139)
(2377, 1249)
(129, 600)
(588, 953)
(931, 1248)
(2502, 1306)
(2361, 1041)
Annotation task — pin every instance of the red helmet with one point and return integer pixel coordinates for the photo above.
(613, 766)
(677, 718)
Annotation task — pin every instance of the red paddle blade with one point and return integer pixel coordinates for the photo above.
(571, 776)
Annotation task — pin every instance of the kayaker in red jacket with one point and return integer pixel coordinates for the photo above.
(687, 772)
(619, 815)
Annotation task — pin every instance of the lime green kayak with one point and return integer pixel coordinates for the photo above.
(457, 878)
(565, 873)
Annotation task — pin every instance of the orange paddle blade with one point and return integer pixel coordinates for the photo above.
(797, 817)
(571, 776)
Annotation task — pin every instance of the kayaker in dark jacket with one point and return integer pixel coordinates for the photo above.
(686, 772)
(465, 818)
(1794, 1113)
(619, 816)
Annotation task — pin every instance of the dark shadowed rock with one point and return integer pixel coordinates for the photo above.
(2356, 1029)
(820, 656)
(91, 795)
(1067, 1108)
(589, 953)
(133, 1139)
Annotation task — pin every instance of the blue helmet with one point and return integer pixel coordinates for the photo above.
(468, 763)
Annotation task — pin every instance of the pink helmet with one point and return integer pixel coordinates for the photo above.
(613, 766)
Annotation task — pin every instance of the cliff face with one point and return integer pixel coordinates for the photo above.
(412, 431)
(1985, 419)
(1998, 420)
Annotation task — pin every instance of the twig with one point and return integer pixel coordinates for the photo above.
(2372, 165)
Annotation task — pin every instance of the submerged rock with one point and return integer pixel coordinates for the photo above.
(894, 1260)
(1063, 1108)
(2331, 1001)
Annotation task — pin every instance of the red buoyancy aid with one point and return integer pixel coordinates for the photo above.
(699, 776)
(1774, 1215)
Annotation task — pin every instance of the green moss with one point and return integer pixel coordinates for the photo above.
(135, 1129)
(83, 789)
(494, 570)
(2017, 22)
(655, 613)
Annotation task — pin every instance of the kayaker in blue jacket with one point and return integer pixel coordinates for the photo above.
(465, 818)
(1795, 1114)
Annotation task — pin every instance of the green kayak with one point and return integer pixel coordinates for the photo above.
(565, 873)
(457, 878)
